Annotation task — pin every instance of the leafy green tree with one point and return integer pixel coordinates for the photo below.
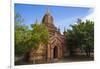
(27, 39)
(39, 37)
(81, 35)
(40, 34)
(20, 35)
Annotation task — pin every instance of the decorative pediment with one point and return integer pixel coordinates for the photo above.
(56, 40)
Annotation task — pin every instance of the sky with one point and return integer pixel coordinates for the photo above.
(63, 16)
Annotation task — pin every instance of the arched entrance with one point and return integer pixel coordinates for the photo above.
(55, 52)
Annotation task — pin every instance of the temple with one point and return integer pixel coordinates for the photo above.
(56, 47)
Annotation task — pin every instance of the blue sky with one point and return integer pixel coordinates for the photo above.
(63, 15)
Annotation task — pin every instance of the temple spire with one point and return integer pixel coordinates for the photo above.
(59, 29)
(64, 31)
(47, 11)
(47, 18)
(36, 21)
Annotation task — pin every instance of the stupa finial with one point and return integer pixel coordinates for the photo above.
(47, 12)
(36, 21)
(64, 29)
(59, 28)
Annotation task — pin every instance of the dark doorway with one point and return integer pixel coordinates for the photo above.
(55, 52)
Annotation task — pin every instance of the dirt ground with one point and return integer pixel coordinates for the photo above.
(79, 58)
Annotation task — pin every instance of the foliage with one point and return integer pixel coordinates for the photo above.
(81, 35)
(25, 38)
(20, 34)
(40, 33)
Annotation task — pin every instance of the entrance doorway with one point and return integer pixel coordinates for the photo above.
(55, 52)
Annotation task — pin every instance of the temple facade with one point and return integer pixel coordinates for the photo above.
(56, 47)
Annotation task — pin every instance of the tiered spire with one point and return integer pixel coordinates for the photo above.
(59, 29)
(47, 19)
(64, 31)
(47, 12)
(36, 21)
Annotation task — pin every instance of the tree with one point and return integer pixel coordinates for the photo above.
(81, 35)
(39, 37)
(27, 39)
(40, 33)
(89, 37)
(20, 35)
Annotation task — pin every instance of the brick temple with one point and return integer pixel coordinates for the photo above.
(56, 47)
